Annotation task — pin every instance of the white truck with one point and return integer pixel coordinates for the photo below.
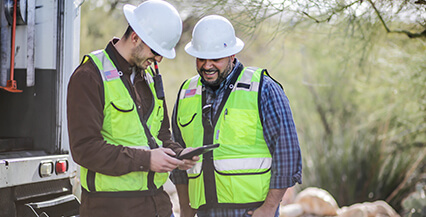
(39, 47)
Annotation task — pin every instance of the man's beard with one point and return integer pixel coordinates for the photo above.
(221, 75)
(135, 53)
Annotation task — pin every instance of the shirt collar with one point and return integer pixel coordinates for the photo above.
(119, 61)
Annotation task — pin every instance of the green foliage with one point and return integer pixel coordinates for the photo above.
(415, 203)
(359, 108)
(98, 26)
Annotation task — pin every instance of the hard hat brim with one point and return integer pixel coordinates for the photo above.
(133, 22)
(190, 49)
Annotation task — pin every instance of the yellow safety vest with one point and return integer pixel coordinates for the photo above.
(122, 126)
(237, 174)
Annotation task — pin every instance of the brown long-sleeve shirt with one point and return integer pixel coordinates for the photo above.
(85, 104)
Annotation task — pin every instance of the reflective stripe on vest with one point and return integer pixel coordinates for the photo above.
(122, 126)
(243, 157)
(235, 164)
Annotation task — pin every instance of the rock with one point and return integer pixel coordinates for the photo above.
(367, 209)
(383, 209)
(169, 187)
(352, 212)
(175, 204)
(317, 201)
(291, 210)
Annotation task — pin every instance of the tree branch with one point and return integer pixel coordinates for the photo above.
(333, 13)
(380, 16)
(408, 33)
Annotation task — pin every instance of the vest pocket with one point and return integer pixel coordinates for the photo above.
(185, 121)
(134, 181)
(238, 126)
(195, 186)
(121, 108)
(187, 127)
(123, 118)
(242, 188)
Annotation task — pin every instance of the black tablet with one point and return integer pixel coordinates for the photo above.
(198, 151)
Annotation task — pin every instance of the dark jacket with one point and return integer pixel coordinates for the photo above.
(85, 104)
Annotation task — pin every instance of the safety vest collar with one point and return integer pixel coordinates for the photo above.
(106, 67)
(245, 83)
(194, 88)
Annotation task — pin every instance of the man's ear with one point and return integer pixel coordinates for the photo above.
(134, 37)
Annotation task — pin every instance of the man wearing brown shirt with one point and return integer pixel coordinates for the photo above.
(118, 121)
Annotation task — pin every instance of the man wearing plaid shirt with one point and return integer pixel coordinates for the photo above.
(248, 114)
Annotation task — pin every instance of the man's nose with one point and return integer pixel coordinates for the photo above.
(208, 64)
(158, 58)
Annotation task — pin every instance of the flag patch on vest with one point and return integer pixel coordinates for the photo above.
(190, 93)
(112, 74)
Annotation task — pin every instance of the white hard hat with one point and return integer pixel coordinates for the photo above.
(213, 37)
(157, 23)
